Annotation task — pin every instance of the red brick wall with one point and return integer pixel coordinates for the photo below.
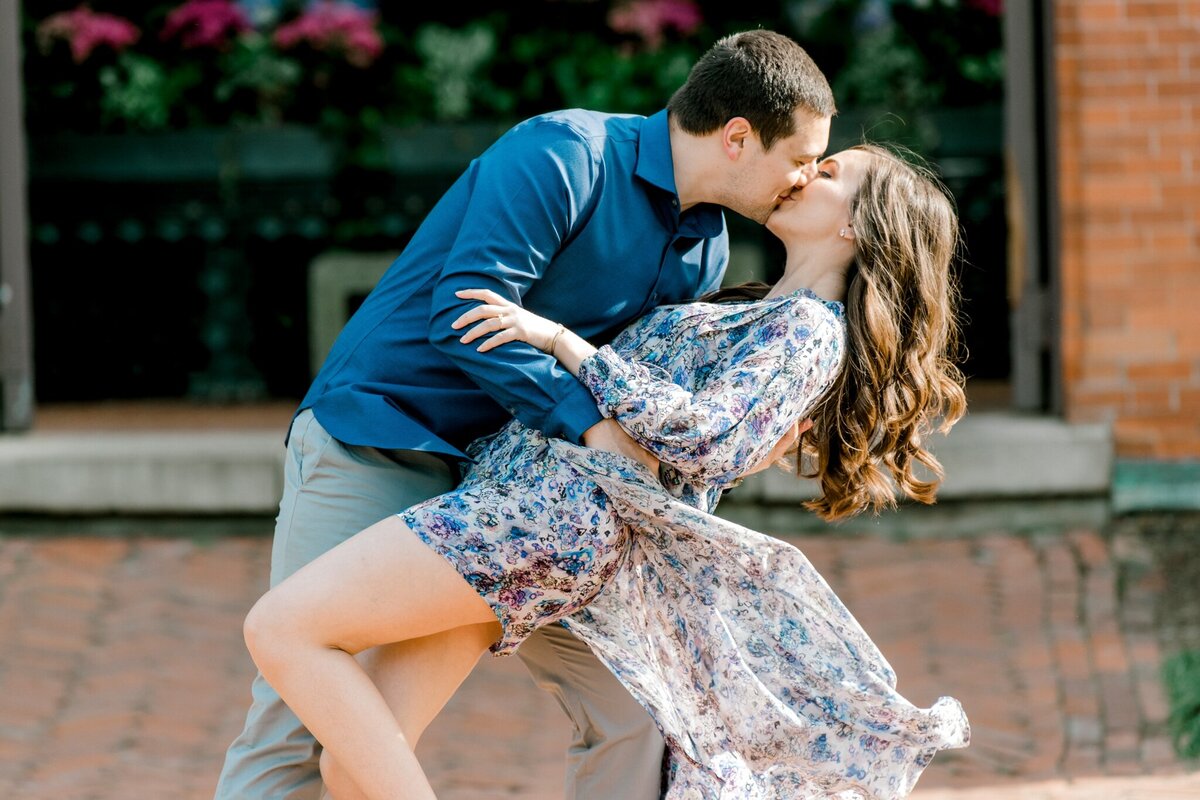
(1128, 74)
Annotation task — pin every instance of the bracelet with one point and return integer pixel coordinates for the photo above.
(554, 339)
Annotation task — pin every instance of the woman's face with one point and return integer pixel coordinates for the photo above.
(821, 210)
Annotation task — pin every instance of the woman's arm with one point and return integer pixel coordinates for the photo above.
(741, 421)
(727, 428)
(509, 322)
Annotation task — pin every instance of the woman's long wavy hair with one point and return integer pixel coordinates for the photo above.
(899, 381)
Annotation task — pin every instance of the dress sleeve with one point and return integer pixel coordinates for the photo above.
(720, 431)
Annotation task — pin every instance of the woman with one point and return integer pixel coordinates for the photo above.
(761, 681)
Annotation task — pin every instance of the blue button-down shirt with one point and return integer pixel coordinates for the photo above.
(574, 215)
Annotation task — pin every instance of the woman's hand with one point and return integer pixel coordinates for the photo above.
(507, 321)
(783, 446)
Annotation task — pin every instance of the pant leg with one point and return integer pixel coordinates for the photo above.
(617, 750)
(331, 492)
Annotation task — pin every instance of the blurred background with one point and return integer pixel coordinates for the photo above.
(201, 174)
(196, 195)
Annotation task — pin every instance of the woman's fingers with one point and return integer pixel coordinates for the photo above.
(474, 315)
(477, 313)
(786, 443)
(792, 435)
(507, 321)
(783, 446)
(487, 326)
(493, 305)
(486, 295)
(500, 338)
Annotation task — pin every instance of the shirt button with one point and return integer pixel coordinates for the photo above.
(675, 202)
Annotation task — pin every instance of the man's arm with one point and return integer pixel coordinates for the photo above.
(530, 191)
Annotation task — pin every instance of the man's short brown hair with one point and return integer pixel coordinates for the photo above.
(760, 75)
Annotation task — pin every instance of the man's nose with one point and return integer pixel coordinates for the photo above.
(807, 173)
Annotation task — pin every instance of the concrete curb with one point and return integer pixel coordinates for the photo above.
(239, 472)
(992, 455)
(170, 472)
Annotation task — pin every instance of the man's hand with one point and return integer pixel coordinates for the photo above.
(783, 446)
(608, 435)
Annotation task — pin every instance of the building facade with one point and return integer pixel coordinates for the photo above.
(1127, 88)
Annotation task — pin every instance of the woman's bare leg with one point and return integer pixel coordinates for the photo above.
(381, 586)
(416, 678)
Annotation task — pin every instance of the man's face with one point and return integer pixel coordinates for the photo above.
(761, 179)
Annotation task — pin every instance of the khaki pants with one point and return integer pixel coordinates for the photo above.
(332, 491)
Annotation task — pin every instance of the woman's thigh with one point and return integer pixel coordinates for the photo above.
(381, 585)
(418, 677)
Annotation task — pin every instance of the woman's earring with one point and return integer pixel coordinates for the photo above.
(842, 233)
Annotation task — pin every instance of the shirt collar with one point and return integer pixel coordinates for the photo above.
(654, 164)
(656, 167)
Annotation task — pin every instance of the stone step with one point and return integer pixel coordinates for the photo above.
(987, 456)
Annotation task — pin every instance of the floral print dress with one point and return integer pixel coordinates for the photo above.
(762, 682)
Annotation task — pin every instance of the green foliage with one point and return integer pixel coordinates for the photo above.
(1181, 673)
(903, 54)
(886, 72)
(508, 62)
(139, 94)
(581, 70)
(894, 61)
(452, 60)
(254, 68)
(987, 69)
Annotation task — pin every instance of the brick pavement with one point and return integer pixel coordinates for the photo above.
(123, 674)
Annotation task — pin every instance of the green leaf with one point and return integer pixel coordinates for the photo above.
(1181, 674)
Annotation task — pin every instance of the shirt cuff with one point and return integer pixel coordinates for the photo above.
(573, 415)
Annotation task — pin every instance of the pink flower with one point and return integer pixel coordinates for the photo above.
(992, 7)
(335, 26)
(649, 19)
(206, 23)
(85, 30)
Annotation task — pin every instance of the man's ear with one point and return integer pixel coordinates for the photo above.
(734, 136)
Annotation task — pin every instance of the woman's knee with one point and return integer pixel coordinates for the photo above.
(333, 777)
(338, 784)
(268, 632)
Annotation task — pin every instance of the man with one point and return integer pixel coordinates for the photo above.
(588, 219)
